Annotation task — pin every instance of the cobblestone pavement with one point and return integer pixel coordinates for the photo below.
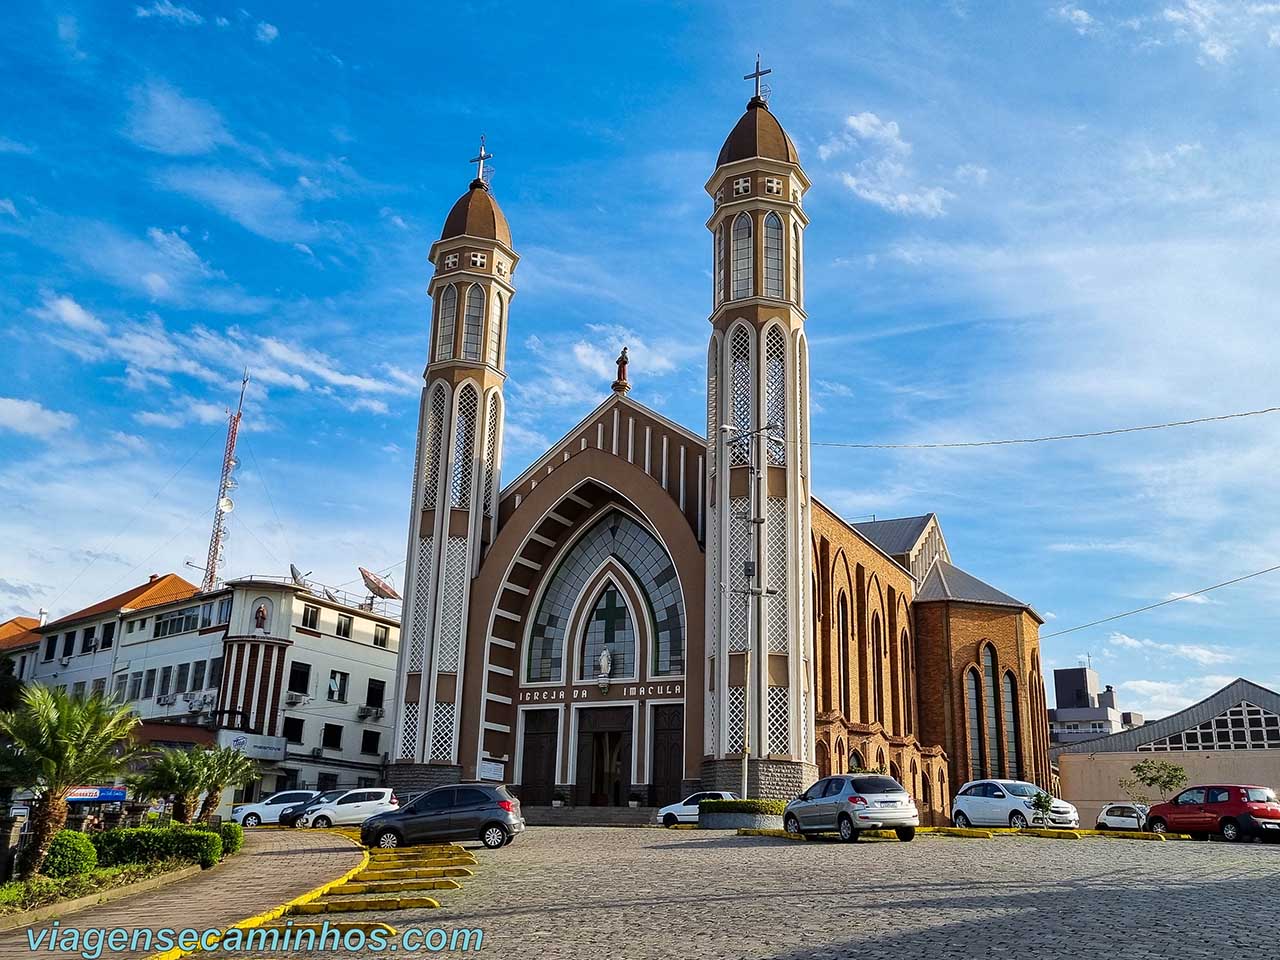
(273, 866)
(562, 892)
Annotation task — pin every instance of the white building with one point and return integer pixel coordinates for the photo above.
(295, 676)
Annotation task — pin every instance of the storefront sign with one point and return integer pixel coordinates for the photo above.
(95, 795)
(253, 745)
(493, 770)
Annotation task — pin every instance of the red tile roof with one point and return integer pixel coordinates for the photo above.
(18, 633)
(154, 592)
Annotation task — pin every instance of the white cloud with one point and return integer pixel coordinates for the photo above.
(31, 419)
(69, 34)
(882, 176)
(163, 120)
(1199, 598)
(1202, 654)
(1079, 19)
(65, 311)
(972, 173)
(6, 206)
(13, 146)
(1157, 698)
(266, 32)
(168, 10)
(257, 204)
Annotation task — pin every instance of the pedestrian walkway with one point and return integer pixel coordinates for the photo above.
(273, 866)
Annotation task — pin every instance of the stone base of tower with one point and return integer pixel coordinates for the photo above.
(766, 779)
(407, 777)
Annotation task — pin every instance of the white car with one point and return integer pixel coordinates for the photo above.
(352, 808)
(269, 810)
(1008, 803)
(686, 810)
(1122, 816)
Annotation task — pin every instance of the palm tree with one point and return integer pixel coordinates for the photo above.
(53, 742)
(223, 767)
(172, 773)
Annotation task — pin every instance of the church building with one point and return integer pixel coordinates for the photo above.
(646, 603)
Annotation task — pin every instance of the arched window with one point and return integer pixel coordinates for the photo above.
(824, 760)
(720, 263)
(473, 323)
(819, 654)
(464, 445)
(973, 710)
(990, 691)
(926, 790)
(908, 683)
(842, 646)
(880, 767)
(855, 760)
(795, 263)
(914, 787)
(1011, 731)
(608, 627)
(743, 260)
(894, 771)
(877, 666)
(775, 394)
(446, 319)
(773, 256)
(840, 756)
(495, 330)
(741, 380)
(437, 410)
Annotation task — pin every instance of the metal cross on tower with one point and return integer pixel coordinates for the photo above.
(480, 158)
(757, 75)
(224, 504)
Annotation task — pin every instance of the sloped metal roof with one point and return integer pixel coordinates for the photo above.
(946, 581)
(895, 537)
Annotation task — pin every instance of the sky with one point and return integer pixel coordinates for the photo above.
(1028, 218)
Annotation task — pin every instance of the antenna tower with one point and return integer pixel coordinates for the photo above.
(224, 504)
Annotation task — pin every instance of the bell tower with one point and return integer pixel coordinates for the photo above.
(453, 513)
(759, 645)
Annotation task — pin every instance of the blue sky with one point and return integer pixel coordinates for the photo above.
(1027, 218)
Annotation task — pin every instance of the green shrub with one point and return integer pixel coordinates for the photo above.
(70, 853)
(20, 896)
(766, 807)
(231, 832)
(148, 845)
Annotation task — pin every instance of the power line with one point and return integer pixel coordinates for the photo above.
(1061, 436)
(1152, 606)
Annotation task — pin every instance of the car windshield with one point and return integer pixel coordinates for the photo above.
(1261, 795)
(865, 785)
(1019, 789)
(325, 798)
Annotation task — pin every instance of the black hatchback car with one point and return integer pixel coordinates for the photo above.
(289, 815)
(466, 811)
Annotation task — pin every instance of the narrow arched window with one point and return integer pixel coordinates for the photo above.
(773, 256)
(877, 669)
(741, 385)
(446, 318)
(743, 259)
(855, 761)
(473, 323)
(720, 263)
(795, 263)
(464, 446)
(495, 330)
(973, 710)
(1011, 731)
(908, 684)
(437, 411)
(990, 688)
(775, 394)
(842, 627)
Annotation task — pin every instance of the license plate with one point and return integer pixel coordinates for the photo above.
(1271, 826)
(888, 803)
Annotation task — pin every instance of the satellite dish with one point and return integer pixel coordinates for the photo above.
(377, 586)
(232, 483)
(328, 595)
(299, 577)
(226, 505)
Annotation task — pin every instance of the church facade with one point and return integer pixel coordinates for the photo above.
(648, 606)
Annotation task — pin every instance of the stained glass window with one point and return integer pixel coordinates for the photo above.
(609, 628)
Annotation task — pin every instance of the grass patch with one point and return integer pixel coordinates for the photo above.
(19, 896)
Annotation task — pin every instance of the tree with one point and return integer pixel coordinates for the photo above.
(10, 685)
(1159, 775)
(53, 742)
(1042, 804)
(223, 767)
(172, 773)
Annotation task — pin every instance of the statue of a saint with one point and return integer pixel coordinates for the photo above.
(605, 662)
(260, 616)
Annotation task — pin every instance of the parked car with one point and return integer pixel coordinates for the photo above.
(1232, 811)
(351, 807)
(850, 804)
(487, 812)
(290, 816)
(269, 810)
(686, 810)
(1124, 815)
(1008, 803)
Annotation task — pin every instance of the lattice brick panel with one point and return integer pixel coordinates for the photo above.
(711, 730)
(740, 392)
(776, 552)
(775, 395)
(779, 721)
(739, 554)
(435, 446)
(713, 411)
(423, 598)
(452, 604)
(737, 715)
(490, 453)
(409, 733)
(1246, 726)
(464, 447)
(442, 732)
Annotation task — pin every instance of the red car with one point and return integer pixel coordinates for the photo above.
(1234, 812)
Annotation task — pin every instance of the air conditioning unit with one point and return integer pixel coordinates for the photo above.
(293, 699)
(167, 699)
(317, 751)
(65, 661)
(365, 712)
(188, 697)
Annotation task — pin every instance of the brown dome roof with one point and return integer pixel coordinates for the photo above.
(476, 214)
(757, 134)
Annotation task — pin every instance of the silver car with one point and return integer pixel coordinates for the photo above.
(851, 803)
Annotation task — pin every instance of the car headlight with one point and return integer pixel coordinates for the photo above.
(1028, 804)
(235, 810)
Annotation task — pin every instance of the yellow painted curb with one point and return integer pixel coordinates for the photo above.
(967, 832)
(367, 903)
(394, 886)
(260, 919)
(1052, 834)
(342, 926)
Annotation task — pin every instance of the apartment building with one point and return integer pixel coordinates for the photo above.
(1083, 711)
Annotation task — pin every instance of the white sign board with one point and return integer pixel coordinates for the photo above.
(254, 745)
(493, 770)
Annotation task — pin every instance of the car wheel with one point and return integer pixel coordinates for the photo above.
(1017, 820)
(494, 836)
(791, 824)
(847, 833)
(388, 839)
(960, 820)
(322, 822)
(1231, 831)
(252, 820)
(906, 834)
(670, 820)
(1100, 826)
(1158, 826)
